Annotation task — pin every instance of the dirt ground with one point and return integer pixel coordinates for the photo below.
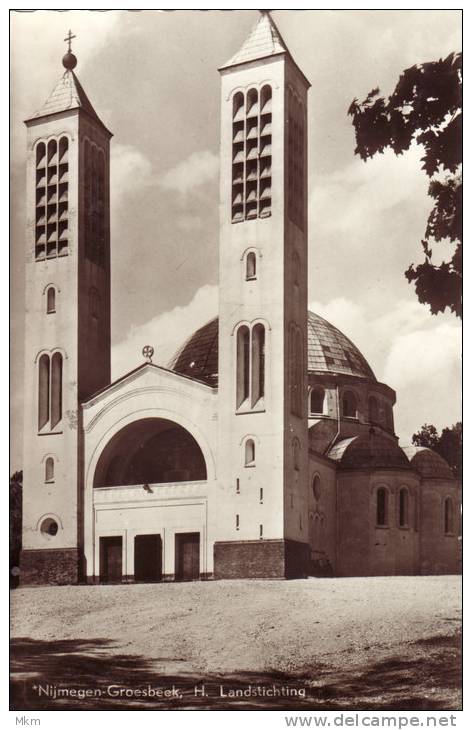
(343, 643)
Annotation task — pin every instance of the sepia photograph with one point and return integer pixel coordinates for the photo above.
(235, 360)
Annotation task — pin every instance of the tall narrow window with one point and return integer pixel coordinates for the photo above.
(237, 522)
(317, 398)
(261, 531)
(43, 391)
(373, 410)
(349, 404)
(250, 266)
(448, 518)
(249, 453)
(56, 389)
(242, 358)
(296, 371)
(51, 300)
(316, 487)
(403, 508)
(250, 368)
(258, 363)
(296, 454)
(382, 516)
(49, 470)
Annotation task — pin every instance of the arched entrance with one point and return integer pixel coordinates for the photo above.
(149, 520)
(150, 451)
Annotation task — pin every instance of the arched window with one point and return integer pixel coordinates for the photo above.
(349, 404)
(448, 516)
(51, 300)
(317, 399)
(43, 391)
(249, 453)
(373, 410)
(316, 487)
(56, 389)
(49, 391)
(250, 365)
(242, 357)
(382, 507)
(403, 516)
(296, 454)
(250, 266)
(49, 470)
(258, 363)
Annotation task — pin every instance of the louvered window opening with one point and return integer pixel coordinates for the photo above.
(252, 155)
(94, 164)
(296, 163)
(52, 199)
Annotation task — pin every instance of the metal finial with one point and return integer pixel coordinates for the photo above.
(69, 61)
(68, 39)
(148, 352)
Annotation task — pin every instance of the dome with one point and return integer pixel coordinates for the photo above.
(329, 351)
(428, 462)
(369, 451)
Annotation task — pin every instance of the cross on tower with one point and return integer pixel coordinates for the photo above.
(68, 39)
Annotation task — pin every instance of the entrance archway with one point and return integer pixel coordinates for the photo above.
(150, 451)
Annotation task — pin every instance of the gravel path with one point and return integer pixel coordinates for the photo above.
(246, 625)
(291, 627)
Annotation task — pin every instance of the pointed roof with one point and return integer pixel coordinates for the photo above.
(68, 94)
(263, 41)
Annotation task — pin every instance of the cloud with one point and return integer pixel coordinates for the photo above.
(431, 356)
(363, 191)
(130, 170)
(166, 332)
(199, 168)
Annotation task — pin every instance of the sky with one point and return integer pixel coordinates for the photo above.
(152, 78)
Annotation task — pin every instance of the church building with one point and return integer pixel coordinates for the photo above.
(267, 447)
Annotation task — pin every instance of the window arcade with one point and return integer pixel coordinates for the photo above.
(52, 199)
(251, 194)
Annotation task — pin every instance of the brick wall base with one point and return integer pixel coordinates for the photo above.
(49, 567)
(260, 559)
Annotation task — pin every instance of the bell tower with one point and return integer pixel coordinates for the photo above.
(262, 389)
(67, 328)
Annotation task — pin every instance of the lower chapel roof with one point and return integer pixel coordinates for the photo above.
(329, 351)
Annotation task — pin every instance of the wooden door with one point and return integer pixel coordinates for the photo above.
(187, 556)
(111, 559)
(147, 558)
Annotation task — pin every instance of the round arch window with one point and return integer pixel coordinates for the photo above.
(49, 527)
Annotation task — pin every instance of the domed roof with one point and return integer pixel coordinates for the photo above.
(428, 462)
(329, 351)
(369, 451)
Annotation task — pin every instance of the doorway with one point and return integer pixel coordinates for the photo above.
(147, 558)
(187, 556)
(111, 559)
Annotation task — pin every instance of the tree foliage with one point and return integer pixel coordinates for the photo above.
(448, 444)
(425, 108)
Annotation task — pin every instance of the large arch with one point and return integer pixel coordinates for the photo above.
(150, 450)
